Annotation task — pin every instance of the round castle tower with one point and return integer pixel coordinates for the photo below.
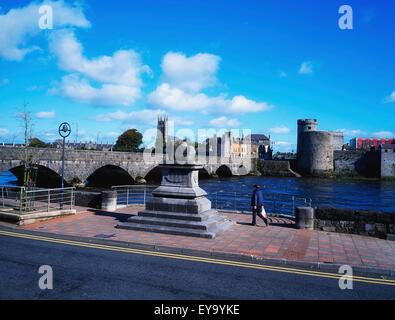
(305, 125)
(315, 148)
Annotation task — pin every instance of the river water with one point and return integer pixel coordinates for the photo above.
(7, 179)
(354, 194)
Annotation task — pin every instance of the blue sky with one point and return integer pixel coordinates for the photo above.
(256, 65)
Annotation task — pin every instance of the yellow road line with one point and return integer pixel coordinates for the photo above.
(197, 259)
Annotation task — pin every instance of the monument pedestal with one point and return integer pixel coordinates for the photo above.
(179, 206)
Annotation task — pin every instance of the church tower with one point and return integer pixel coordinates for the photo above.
(163, 133)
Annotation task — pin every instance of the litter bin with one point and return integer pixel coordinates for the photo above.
(304, 217)
(109, 201)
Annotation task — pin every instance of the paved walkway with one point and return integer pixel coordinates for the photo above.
(279, 241)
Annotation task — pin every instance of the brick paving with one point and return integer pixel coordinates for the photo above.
(279, 241)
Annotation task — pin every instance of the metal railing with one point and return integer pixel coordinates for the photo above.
(133, 194)
(228, 201)
(21, 200)
(274, 203)
(11, 197)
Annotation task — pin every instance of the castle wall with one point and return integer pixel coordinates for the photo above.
(338, 140)
(357, 163)
(388, 163)
(345, 162)
(276, 168)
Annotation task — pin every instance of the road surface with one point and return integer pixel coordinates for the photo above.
(90, 272)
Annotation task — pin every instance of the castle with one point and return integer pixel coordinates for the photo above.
(324, 152)
(315, 149)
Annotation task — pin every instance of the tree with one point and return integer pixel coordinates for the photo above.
(26, 119)
(129, 141)
(37, 143)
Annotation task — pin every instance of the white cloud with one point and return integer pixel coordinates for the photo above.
(4, 132)
(390, 98)
(284, 146)
(118, 76)
(80, 90)
(50, 135)
(141, 117)
(111, 134)
(123, 67)
(282, 143)
(351, 132)
(46, 115)
(190, 73)
(181, 121)
(384, 134)
(184, 78)
(306, 68)
(147, 116)
(19, 25)
(224, 122)
(280, 130)
(173, 98)
(241, 104)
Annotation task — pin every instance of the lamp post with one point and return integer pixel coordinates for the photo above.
(64, 132)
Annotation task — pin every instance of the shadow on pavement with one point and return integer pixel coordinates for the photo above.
(121, 217)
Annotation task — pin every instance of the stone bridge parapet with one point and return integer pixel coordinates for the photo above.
(80, 164)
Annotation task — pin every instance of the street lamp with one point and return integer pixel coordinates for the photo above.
(64, 132)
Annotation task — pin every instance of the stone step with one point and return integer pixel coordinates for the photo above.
(166, 230)
(200, 225)
(178, 216)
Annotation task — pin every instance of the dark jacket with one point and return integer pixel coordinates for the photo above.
(257, 198)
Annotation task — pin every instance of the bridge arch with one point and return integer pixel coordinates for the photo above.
(46, 177)
(224, 171)
(107, 176)
(204, 174)
(154, 175)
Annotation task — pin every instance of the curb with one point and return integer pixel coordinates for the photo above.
(329, 267)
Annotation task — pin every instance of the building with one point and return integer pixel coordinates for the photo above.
(220, 146)
(260, 146)
(228, 146)
(387, 160)
(213, 146)
(369, 143)
(315, 149)
(241, 148)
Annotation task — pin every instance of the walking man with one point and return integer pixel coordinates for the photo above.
(257, 206)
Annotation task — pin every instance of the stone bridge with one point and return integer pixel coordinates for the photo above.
(81, 164)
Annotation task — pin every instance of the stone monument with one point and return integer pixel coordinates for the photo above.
(179, 206)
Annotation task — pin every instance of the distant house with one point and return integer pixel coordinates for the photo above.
(251, 146)
(84, 146)
(260, 146)
(369, 143)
